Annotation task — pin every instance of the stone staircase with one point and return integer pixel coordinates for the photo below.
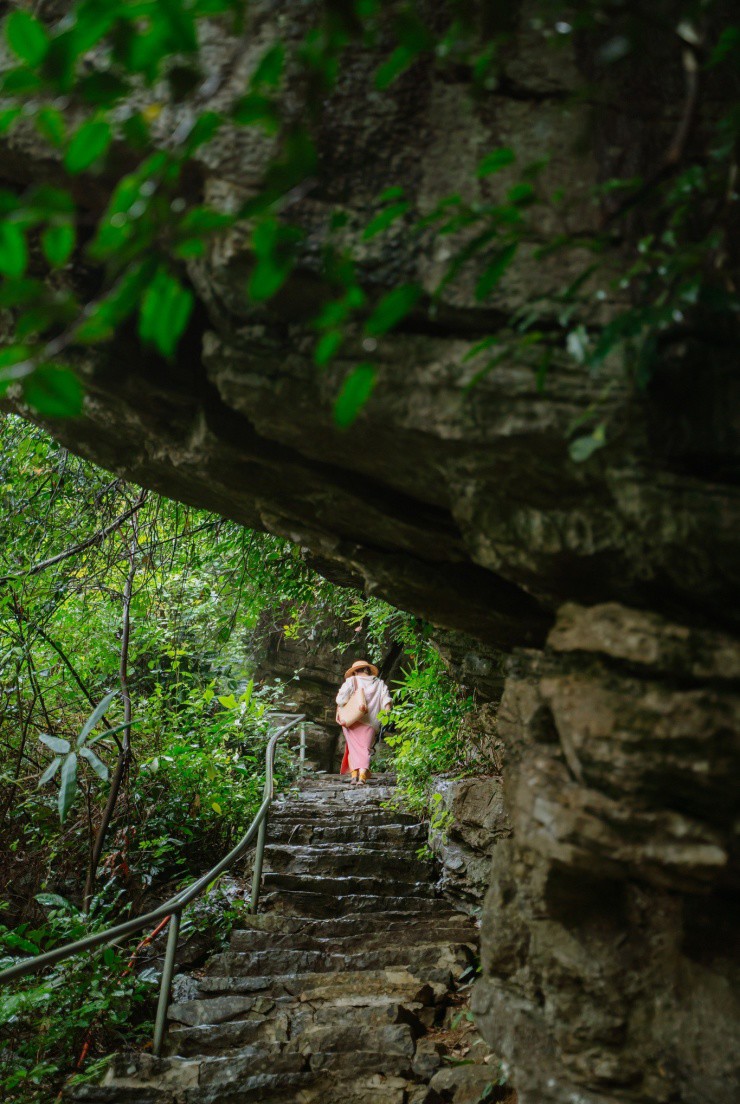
(337, 991)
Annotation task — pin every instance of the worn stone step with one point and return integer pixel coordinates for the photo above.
(250, 1076)
(323, 815)
(317, 905)
(322, 1043)
(346, 885)
(343, 861)
(438, 911)
(430, 931)
(260, 963)
(392, 834)
(289, 1015)
(391, 982)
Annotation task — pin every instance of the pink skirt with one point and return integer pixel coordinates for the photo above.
(360, 739)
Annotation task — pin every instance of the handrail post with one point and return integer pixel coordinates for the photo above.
(166, 983)
(303, 748)
(259, 855)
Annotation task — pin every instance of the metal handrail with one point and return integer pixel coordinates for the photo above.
(174, 907)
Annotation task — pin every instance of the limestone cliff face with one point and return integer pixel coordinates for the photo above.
(608, 959)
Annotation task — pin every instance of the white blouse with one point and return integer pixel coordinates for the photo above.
(377, 695)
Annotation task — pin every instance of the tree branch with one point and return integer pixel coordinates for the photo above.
(94, 539)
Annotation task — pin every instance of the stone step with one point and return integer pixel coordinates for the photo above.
(326, 996)
(343, 861)
(392, 834)
(392, 982)
(437, 911)
(420, 932)
(345, 886)
(286, 961)
(322, 1043)
(249, 1076)
(324, 816)
(318, 905)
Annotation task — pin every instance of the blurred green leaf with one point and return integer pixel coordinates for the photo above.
(385, 218)
(355, 392)
(50, 125)
(398, 62)
(494, 161)
(269, 68)
(87, 146)
(54, 391)
(165, 310)
(57, 243)
(328, 346)
(257, 109)
(585, 446)
(495, 270)
(8, 116)
(392, 308)
(26, 37)
(13, 249)
(274, 246)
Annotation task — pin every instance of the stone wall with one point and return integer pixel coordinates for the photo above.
(610, 950)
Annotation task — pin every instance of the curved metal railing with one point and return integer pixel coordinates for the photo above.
(174, 907)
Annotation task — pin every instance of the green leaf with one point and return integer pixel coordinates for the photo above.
(385, 218)
(111, 731)
(50, 771)
(57, 243)
(97, 764)
(56, 743)
(355, 392)
(228, 702)
(583, 447)
(392, 308)
(96, 715)
(205, 128)
(26, 37)
(7, 117)
(13, 249)
(54, 900)
(274, 246)
(327, 346)
(216, 807)
(67, 786)
(269, 68)
(257, 109)
(50, 125)
(87, 146)
(494, 161)
(495, 270)
(54, 390)
(165, 311)
(203, 220)
(401, 58)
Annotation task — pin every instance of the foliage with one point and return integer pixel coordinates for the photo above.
(71, 539)
(133, 77)
(47, 1023)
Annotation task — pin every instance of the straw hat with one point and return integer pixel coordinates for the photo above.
(360, 663)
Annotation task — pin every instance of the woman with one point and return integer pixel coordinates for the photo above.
(361, 736)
